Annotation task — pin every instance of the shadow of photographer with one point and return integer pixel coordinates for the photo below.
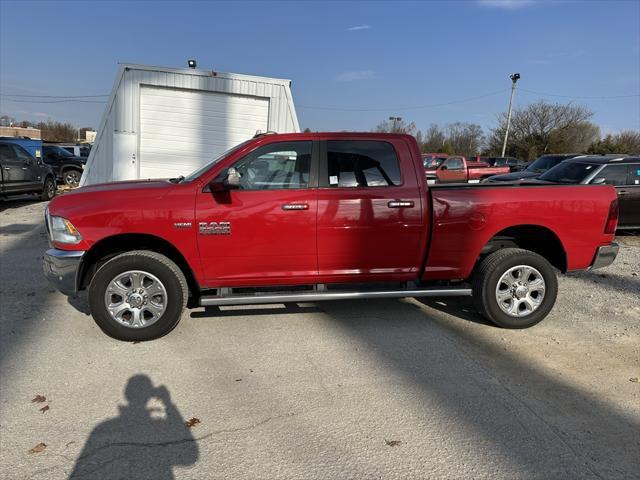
(146, 440)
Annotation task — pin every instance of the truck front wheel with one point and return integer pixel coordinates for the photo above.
(138, 295)
(515, 288)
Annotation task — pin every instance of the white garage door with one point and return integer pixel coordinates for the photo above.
(180, 130)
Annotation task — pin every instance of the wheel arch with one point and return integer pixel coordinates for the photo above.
(536, 238)
(109, 247)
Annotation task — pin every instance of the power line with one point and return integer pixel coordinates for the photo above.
(415, 107)
(51, 96)
(71, 100)
(605, 97)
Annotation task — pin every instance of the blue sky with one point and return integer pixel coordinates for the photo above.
(372, 59)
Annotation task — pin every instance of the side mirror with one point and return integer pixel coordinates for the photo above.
(598, 181)
(443, 167)
(230, 182)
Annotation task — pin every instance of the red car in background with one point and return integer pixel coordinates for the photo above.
(459, 169)
(431, 161)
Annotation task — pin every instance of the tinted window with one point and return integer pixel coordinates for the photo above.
(362, 164)
(614, 174)
(22, 154)
(283, 165)
(6, 152)
(454, 164)
(569, 172)
(634, 174)
(69, 149)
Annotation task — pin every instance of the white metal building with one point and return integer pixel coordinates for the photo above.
(164, 122)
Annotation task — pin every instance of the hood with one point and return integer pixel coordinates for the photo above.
(513, 177)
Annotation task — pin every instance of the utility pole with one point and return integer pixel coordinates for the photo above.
(514, 78)
(395, 121)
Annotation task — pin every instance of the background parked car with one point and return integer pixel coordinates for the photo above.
(20, 173)
(67, 167)
(621, 172)
(78, 150)
(457, 168)
(514, 164)
(534, 169)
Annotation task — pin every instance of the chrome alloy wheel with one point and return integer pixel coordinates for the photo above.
(520, 291)
(136, 299)
(72, 178)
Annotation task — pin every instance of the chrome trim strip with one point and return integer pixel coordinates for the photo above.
(330, 295)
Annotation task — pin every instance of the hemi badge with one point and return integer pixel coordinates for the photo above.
(182, 224)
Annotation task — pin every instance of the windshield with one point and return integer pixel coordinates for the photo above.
(544, 163)
(568, 172)
(193, 175)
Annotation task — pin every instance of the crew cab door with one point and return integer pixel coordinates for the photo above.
(452, 170)
(29, 166)
(264, 231)
(370, 221)
(15, 175)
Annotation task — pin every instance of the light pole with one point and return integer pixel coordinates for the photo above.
(395, 121)
(514, 78)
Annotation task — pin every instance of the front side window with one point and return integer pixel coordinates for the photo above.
(614, 174)
(454, 164)
(362, 163)
(277, 166)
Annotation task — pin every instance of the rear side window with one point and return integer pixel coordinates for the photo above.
(6, 152)
(454, 164)
(355, 163)
(614, 174)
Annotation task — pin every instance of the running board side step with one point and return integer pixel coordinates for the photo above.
(316, 296)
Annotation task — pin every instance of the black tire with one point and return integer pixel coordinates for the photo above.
(489, 273)
(48, 189)
(71, 177)
(166, 271)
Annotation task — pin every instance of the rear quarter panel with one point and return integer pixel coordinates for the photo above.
(466, 218)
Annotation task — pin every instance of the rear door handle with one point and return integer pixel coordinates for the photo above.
(400, 204)
(622, 192)
(24, 168)
(7, 168)
(295, 206)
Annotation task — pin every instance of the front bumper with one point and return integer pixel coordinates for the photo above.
(61, 267)
(605, 256)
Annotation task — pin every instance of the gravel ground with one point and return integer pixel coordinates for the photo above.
(375, 389)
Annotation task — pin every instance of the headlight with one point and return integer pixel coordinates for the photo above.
(62, 230)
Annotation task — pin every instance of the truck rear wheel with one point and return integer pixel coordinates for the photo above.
(138, 295)
(515, 288)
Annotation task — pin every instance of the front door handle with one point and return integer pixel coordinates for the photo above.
(295, 206)
(24, 168)
(622, 192)
(7, 168)
(400, 204)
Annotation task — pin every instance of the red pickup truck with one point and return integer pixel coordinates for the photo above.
(459, 169)
(320, 216)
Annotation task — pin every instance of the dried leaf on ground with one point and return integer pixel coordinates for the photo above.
(38, 448)
(635, 380)
(44, 409)
(39, 399)
(392, 443)
(192, 422)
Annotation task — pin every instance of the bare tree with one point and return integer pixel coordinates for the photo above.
(53, 131)
(434, 139)
(400, 126)
(465, 138)
(627, 141)
(543, 127)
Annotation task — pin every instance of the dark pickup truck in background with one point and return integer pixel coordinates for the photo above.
(67, 167)
(21, 173)
(320, 216)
